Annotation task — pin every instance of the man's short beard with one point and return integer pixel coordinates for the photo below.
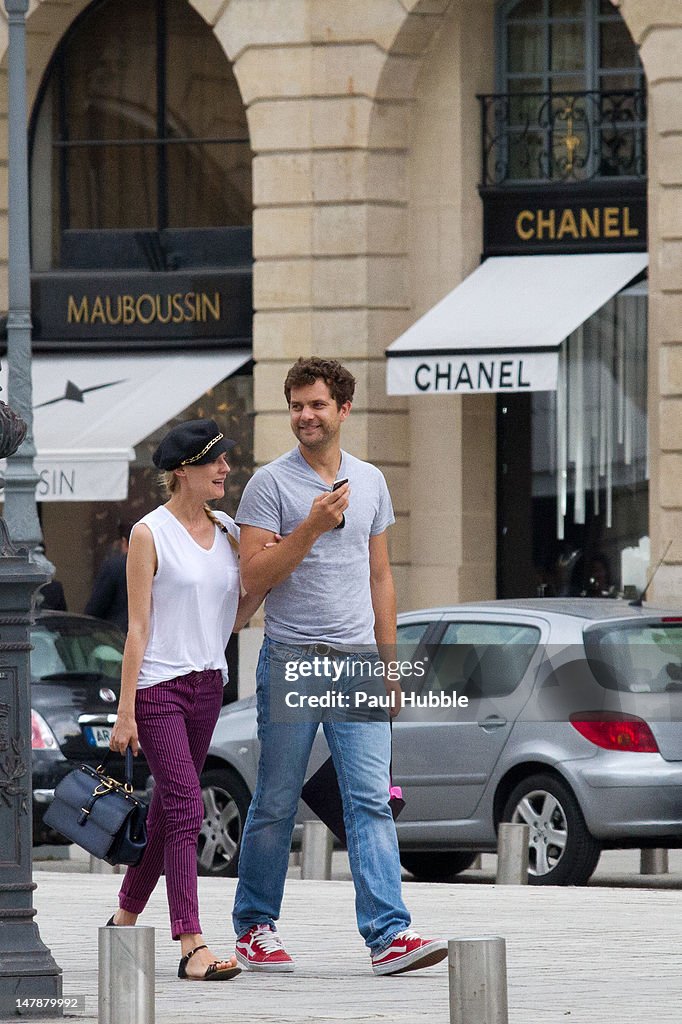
(314, 445)
(322, 439)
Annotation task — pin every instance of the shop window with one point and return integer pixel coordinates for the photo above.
(584, 488)
(570, 101)
(139, 126)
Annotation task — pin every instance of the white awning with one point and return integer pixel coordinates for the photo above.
(90, 411)
(501, 328)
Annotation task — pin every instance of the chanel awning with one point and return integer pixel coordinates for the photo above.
(90, 411)
(501, 328)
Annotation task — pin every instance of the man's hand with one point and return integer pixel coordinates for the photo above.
(394, 691)
(326, 511)
(265, 563)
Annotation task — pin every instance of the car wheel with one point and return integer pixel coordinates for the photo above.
(226, 802)
(437, 867)
(561, 850)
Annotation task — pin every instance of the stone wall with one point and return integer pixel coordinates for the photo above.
(364, 126)
(330, 108)
(657, 29)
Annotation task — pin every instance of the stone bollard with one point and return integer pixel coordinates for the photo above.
(477, 864)
(653, 862)
(477, 974)
(126, 975)
(316, 851)
(512, 854)
(100, 867)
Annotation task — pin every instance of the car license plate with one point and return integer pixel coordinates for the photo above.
(97, 735)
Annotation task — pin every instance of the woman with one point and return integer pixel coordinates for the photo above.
(184, 602)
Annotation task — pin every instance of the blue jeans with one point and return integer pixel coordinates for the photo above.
(361, 751)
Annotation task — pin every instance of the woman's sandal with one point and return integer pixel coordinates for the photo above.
(212, 973)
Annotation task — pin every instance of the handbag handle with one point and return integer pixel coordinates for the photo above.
(390, 763)
(128, 768)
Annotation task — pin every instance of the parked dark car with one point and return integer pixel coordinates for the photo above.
(75, 683)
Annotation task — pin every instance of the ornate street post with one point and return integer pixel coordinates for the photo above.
(21, 513)
(27, 968)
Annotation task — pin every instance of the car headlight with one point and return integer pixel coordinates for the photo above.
(42, 737)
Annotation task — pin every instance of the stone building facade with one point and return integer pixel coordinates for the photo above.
(364, 125)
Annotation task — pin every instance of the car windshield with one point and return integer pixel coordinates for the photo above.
(642, 657)
(73, 647)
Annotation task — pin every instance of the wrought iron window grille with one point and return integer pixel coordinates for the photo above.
(562, 136)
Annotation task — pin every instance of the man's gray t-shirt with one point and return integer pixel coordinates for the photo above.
(327, 597)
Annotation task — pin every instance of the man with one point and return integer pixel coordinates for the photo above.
(51, 597)
(109, 597)
(330, 593)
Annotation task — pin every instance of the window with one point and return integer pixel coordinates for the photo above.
(483, 659)
(139, 125)
(571, 109)
(571, 85)
(410, 633)
(639, 658)
(410, 636)
(71, 647)
(574, 464)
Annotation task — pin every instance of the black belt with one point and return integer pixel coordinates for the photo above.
(323, 650)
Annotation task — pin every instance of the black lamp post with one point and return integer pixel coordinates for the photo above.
(21, 513)
(27, 968)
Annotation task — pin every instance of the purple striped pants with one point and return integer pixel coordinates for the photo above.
(175, 722)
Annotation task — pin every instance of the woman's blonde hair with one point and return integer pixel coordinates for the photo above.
(169, 484)
(221, 526)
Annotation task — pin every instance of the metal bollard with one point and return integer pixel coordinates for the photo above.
(653, 862)
(126, 975)
(477, 974)
(100, 867)
(512, 854)
(316, 851)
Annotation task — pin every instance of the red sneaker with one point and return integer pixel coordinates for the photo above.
(409, 952)
(261, 949)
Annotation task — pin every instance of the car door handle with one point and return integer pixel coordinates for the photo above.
(492, 722)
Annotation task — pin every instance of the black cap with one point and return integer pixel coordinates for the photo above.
(192, 443)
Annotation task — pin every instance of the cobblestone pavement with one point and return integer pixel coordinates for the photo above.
(603, 954)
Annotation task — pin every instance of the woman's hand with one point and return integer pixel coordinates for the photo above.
(124, 734)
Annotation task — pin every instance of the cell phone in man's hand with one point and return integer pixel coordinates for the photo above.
(335, 487)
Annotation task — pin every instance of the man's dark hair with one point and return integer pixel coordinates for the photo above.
(339, 380)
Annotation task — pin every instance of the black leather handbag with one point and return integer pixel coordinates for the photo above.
(100, 813)
(322, 795)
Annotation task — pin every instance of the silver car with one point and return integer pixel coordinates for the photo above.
(571, 723)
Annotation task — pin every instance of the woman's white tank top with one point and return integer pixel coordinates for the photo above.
(195, 594)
